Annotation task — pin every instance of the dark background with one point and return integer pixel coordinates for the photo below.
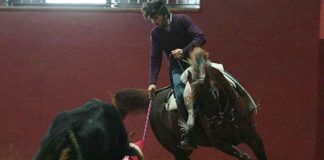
(51, 61)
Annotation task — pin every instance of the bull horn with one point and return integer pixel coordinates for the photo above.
(137, 150)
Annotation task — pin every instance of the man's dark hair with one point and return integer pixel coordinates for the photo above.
(154, 8)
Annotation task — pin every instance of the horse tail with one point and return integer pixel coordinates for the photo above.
(131, 100)
(198, 60)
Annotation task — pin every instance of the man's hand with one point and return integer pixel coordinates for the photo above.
(151, 90)
(177, 53)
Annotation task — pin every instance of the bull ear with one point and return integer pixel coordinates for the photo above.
(189, 78)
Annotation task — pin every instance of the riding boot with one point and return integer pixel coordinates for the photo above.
(186, 128)
(187, 141)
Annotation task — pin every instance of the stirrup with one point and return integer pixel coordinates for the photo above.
(187, 141)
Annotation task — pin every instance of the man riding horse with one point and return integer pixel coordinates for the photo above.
(176, 35)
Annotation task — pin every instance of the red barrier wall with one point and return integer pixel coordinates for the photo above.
(55, 60)
(320, 129)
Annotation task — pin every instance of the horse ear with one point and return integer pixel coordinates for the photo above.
(189, 77)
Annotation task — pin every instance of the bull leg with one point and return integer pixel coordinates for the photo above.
(256, 144)
(232, 150)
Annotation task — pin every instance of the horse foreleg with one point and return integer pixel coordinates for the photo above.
(232, 150)
(256, 144)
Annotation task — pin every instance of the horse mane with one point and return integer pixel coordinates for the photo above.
(198, 59)
(131, 100)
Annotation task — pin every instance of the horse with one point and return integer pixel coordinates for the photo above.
(223, 118)
(93, 131)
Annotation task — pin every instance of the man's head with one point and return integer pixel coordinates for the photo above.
(154, 8)
(157, 12)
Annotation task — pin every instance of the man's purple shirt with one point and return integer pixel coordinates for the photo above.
(183, 34)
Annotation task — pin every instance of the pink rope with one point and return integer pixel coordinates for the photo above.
(140, 143)
(147, 120)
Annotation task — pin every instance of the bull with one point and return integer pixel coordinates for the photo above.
(93, 131)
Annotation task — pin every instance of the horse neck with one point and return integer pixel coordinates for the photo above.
(227, 95)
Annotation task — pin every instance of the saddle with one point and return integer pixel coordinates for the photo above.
(170, 101)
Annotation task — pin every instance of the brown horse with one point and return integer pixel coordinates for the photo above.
(223, 118)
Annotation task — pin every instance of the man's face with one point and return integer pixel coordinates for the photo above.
(160, 21)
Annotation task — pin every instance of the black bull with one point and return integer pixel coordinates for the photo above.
(93, 131)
